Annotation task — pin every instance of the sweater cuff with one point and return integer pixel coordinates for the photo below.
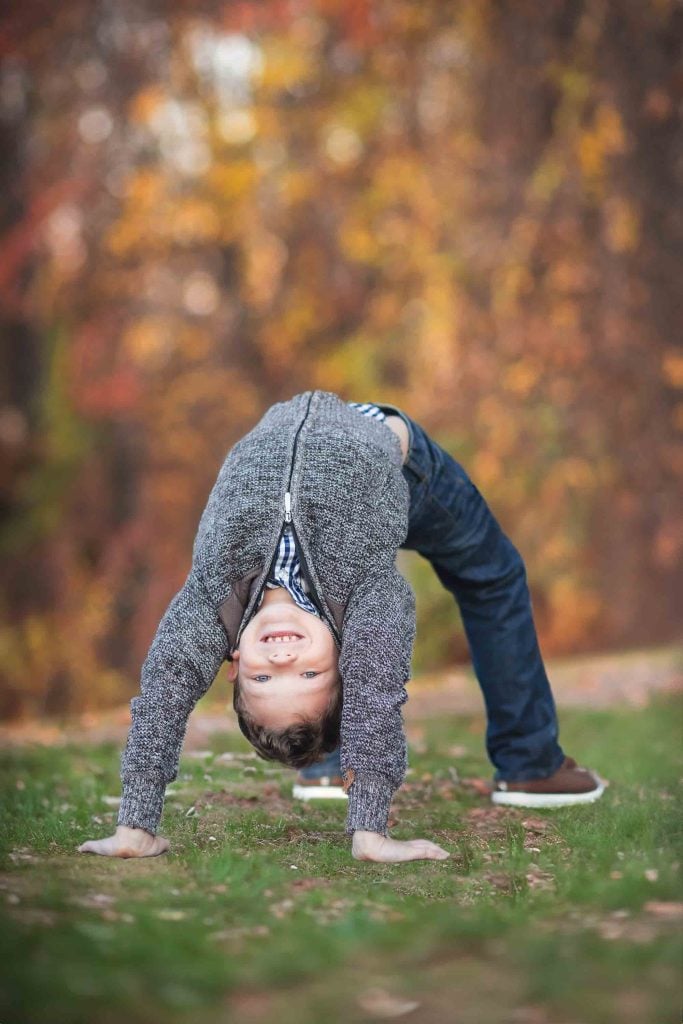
(142, 801)
(369, 803)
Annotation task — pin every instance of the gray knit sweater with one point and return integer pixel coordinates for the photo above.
(349, 509)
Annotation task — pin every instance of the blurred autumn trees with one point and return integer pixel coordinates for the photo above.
(470, 210)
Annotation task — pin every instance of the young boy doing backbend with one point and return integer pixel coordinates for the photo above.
(294, 583)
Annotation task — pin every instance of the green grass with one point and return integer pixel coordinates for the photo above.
(259, 913)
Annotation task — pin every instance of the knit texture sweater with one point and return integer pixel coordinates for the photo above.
(336, 477)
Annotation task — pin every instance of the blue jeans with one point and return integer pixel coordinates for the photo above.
(451, 525)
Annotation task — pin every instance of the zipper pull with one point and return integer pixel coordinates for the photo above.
(288, 507)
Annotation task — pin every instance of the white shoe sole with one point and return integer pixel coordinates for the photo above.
(512, 799)
(319, 793)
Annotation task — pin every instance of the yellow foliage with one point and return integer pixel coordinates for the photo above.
(144, 105)
(572, 472)
(266, 257)
(232, 179)
(622, 225)
(568, 275)
(487, 468)
(547, 178)
(357, 242)
(510, 282)
(147, 341)
(285, 64)
(558, 549)
(672, 368)
(605, 138)
(297, 185)
(145, 187)
(565, 315)
(575, 610)
(521, 377)
(195, 220)
(609, 128)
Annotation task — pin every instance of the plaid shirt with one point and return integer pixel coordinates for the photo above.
(286, 570)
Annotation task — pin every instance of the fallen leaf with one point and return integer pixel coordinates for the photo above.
(112, 801)
(306, 884)
(665, 908)
(651, 874)
(480, 786)
(537, 879)
(536, 824)
(282, 908)
(379, 1003)
(94, 899)
(171, 915)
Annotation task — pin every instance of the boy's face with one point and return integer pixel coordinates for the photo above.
(283, 679)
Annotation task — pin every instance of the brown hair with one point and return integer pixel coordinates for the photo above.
(299, 744)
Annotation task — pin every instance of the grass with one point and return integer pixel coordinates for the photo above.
(259, 912)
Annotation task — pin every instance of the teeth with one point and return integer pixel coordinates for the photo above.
(282, 639)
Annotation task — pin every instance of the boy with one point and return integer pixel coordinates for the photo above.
(320, 658)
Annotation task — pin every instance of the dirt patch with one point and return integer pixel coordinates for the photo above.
(268, 798)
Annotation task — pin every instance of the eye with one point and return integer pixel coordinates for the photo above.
(310, 674)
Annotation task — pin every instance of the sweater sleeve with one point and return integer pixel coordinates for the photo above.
(184, 658)
(374, 663)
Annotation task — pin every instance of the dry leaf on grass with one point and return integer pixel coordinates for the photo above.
(480, 786)
(260, 930)
(22, 854)
(94, 899)
(661, 908)
(536, 824)
(282, 908)
(379, 1003)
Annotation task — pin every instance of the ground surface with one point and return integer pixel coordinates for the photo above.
(258, 913)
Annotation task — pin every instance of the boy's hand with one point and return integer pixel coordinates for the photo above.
(127, 842)
(373, 846)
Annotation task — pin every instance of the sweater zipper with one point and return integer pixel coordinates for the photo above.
(288, 513)
(288, 503)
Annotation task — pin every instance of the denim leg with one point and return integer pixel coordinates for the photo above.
(329, 765)
(451, 525)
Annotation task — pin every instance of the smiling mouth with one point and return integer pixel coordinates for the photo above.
(281, 636)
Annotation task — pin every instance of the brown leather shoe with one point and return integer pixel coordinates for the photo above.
(570, 784)
(327, 787)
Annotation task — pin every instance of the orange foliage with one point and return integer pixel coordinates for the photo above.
(467, 217)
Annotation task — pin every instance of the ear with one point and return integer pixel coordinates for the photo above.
(233, 666)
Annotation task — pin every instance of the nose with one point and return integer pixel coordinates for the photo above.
(281, 657)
